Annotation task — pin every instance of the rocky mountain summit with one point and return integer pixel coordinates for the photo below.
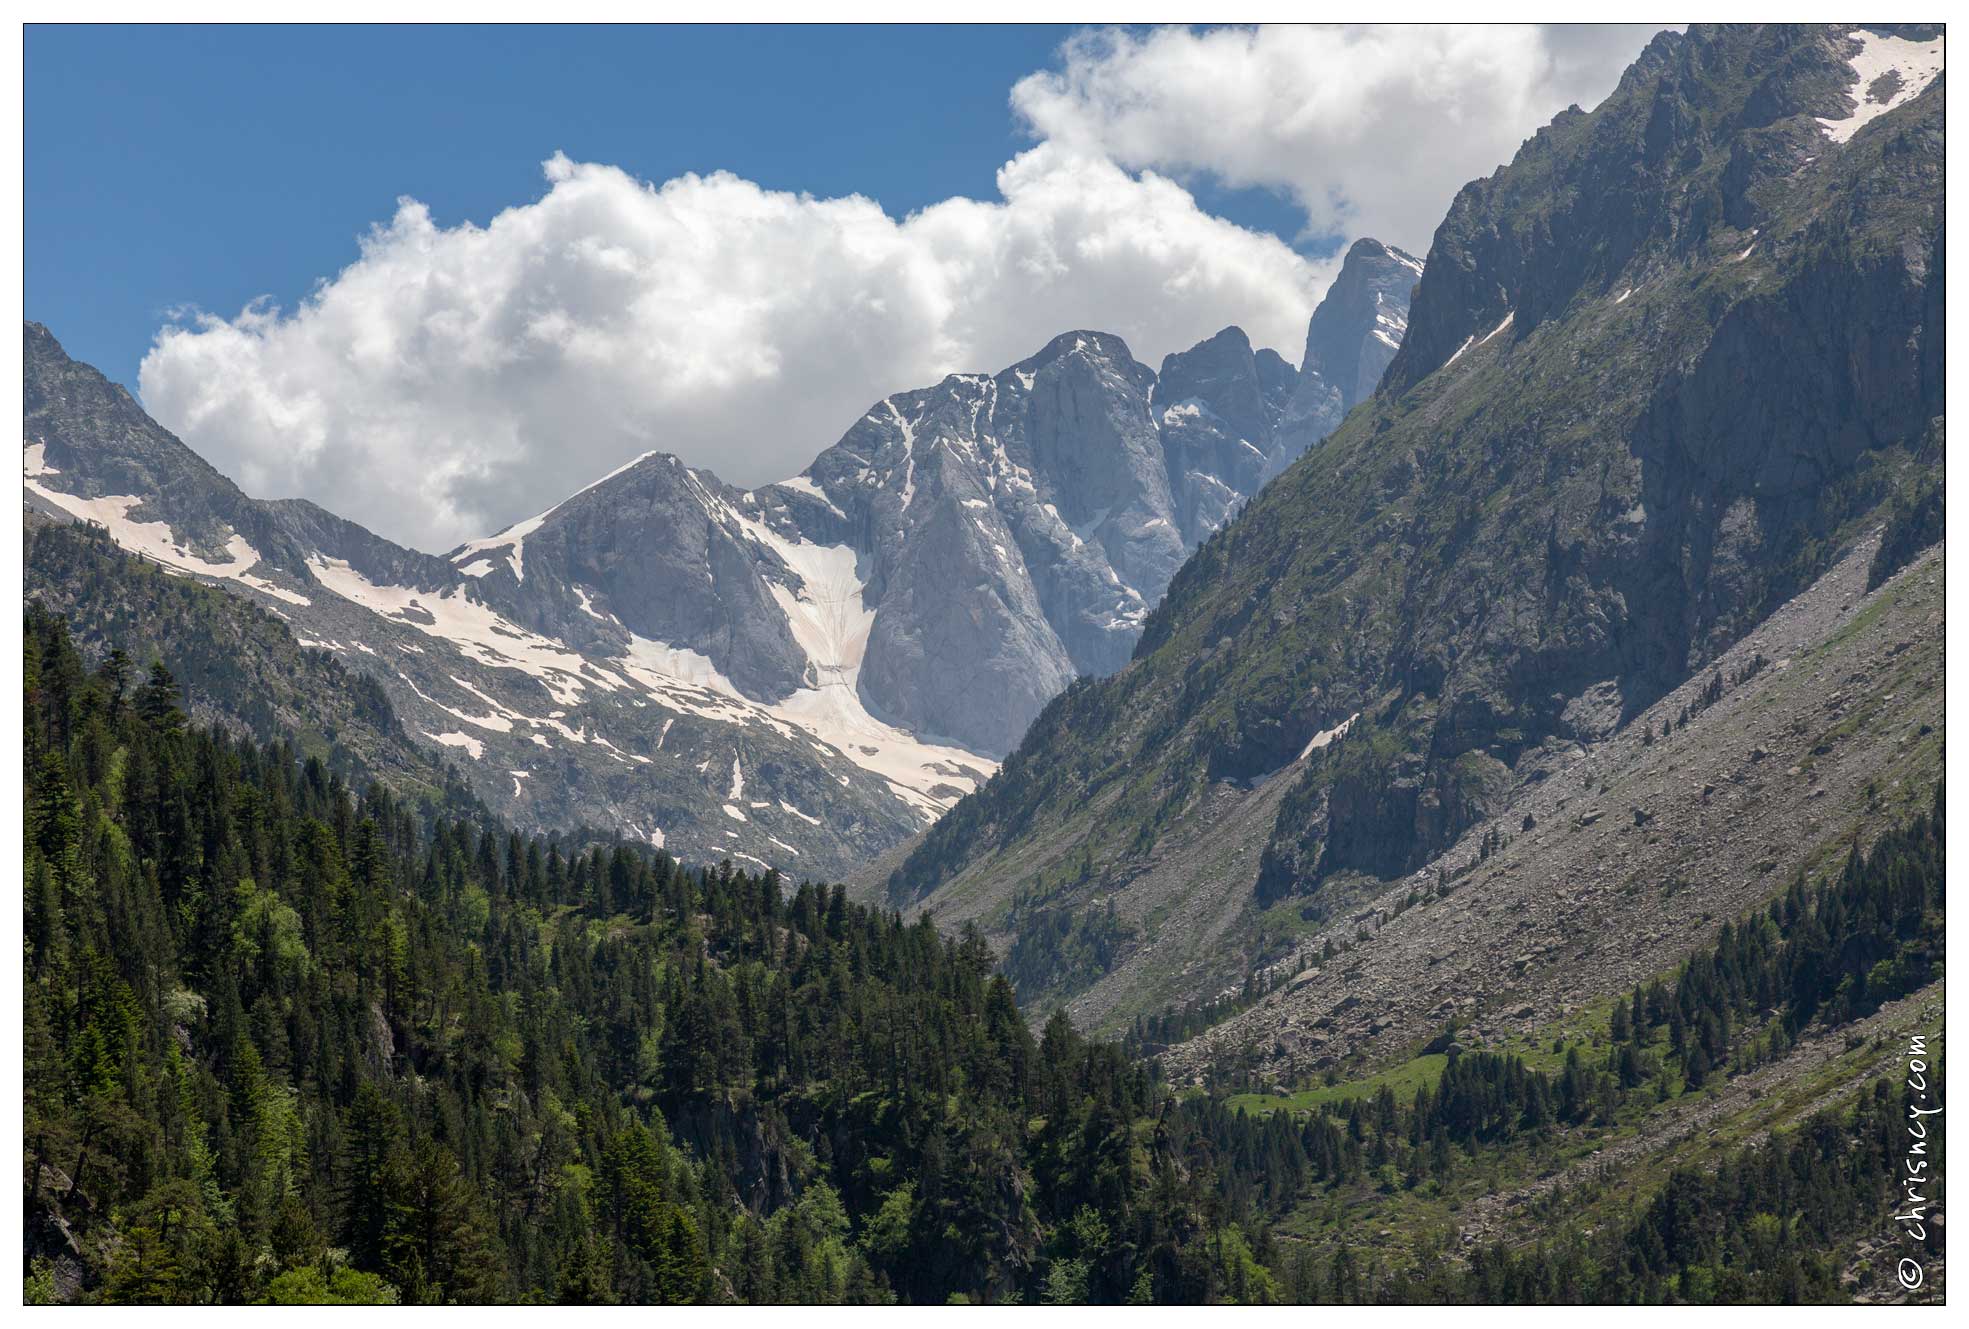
(1352, 340)
(804, 674)
(965, 550)
(1661, 373)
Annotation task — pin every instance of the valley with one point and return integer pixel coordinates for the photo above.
(1456, 820)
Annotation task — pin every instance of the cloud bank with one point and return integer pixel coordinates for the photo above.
(454, 379)
(449, 374)
(1371, 130)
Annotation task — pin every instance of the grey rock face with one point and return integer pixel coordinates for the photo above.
(1001, 525)
(654, 551)
(1350, 343)
(1093, 440)
(1021, 526)
(1219, 405)
(1359, 326)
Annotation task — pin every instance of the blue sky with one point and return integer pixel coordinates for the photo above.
(184, 164)
(210, 165)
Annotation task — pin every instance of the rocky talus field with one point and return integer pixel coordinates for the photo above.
(1618, 858)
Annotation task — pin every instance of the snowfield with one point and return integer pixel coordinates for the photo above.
(152, 539)
(1912, 66)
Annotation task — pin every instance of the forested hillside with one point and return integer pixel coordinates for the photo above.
(290, 1040)
(293, 1041)
(237, 663)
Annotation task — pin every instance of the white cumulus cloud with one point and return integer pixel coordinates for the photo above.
(1371, 130)
(453, 379)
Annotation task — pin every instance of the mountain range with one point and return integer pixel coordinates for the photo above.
(801, 675)
(1458, 821)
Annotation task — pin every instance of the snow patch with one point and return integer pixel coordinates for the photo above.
(1508, 320)
(512, 540)
(1473, 340)
(465, 741)
(1327, 736)
(153, 540)
(908, 451)
(265, 587)
(479, 634)
(500, 721)
(1915, 64)
(804, 485)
